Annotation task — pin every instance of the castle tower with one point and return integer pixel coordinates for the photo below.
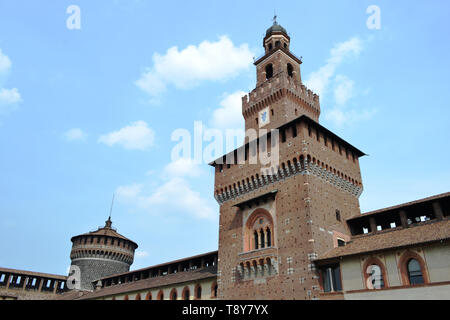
(101, 253)
(275, 221)
(279, 95)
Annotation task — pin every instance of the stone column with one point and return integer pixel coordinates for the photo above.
(266, 269)
(438, 211)
(266, 242)
(25, 283)
(241, 271)
(41, 283)
(259, 271)
(373, 225)
(247, 272)
(55, 286)
(8, 281)
(403, 218)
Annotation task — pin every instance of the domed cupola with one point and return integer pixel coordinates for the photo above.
(275, 28)
(276, 38)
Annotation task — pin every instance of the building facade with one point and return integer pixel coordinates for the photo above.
(290, 222)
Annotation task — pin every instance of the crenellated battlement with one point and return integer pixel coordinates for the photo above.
(276, 88)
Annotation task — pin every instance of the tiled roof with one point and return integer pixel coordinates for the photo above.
(162, 264)
(426, 232)
(403, 205)
(33, 274)
(179, 277)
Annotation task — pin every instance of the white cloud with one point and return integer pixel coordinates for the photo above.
(348, 117)
(75, 134)
(183, 168)
(137, 136)
(141, 254)
(9, 96)
(343, 90)
(129, 192)
(343, 87)
(318, 81)
(175, 195)
(209, 61)
(5, 62)
(229, 114)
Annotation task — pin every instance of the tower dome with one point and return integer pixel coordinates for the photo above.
(101, 253)
(276, 38)
(275, 28)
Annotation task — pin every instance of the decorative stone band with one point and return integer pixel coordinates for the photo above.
(106, 255)
(102, 247)
(257, 269)
(286, 172)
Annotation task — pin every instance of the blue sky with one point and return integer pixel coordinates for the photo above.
(85, 113)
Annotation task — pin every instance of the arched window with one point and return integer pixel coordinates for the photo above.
(269, 71)
(148, 296)
(198, 292)
(261, 232)
(160, 295)
(138, 297)
(173, 294)
(277, 44)
(412, 268)
(375, 274)
(269, 237)
(290, 70)
(414, 272)
(270, 46)
(375, 278)
(256, 240)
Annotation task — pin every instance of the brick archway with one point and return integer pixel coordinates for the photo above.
(197, 292)
(173, 294)
(403, 267)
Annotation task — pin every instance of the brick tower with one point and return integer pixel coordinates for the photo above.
(274, 221)
(101, 253)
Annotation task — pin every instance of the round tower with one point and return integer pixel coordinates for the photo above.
(101, 253)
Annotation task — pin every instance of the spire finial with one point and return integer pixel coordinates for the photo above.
(109, 222)
(275, 17)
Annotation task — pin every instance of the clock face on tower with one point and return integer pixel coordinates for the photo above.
(264, 117)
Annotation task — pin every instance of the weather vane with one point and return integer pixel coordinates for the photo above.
(274, 17)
